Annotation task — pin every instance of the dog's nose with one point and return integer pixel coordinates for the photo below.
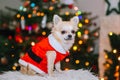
(69, 36)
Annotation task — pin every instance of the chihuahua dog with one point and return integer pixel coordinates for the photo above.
(47, 54)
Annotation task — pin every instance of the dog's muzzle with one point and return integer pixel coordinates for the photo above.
(69, 37)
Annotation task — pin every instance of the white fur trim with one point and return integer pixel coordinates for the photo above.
(55, 44)
(24, 63)
(65, 75)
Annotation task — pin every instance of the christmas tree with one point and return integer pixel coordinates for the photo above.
(32, 23)
(112, 64)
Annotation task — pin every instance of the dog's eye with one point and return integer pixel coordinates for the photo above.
(73, 31)
(63, 32)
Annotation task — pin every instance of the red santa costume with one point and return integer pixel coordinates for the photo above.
(36, 56)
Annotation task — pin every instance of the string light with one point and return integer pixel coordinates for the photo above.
(44, 33)
(32, 43)
(87, 63)
(75, 48)
(119, 58)
(12, 55)
(32, 5)
(66, 69)
(21, 8)
(80, 42)
(42, 14)
(117, 74)
(80, 17)
(29, 15)
(29, 29)
(76, 14)
(107, 65)
(38, 13)
(77, 61)
(89, 49)
(34, 11)
(67, 60)
(12, 46)
(96, 34)
(20, 41)
(110, 33)
(18, 15)
(6, 44)
(22, 18)
(86, 21)
(106, 56)
(102, 79)
(79, 12)
(14, 67)
(24, 9)
(51, 8)
(75, 8)
(78, 34)
(117, 67)
(80, 25)
(53, 0)
(36, 8)
(114, 51)
(16, 64)
(85, 36)
(67, 13)
(86, 31)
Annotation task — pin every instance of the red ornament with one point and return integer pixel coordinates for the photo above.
(27, 28)
(45, 0)
(18, 38)
(27, 38)
(34, 26)
(9, 37)
(18, 30)
(40, 38)
(26, 3)
(4, 60)
(70, 6)
(94, 67)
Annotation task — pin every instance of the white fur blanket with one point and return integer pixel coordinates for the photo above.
(65, 75)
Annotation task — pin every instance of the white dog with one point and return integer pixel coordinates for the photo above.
(47, 54)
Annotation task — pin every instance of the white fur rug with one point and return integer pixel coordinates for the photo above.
(65, 75)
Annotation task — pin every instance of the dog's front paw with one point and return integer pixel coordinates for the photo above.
(23, 69)
(51, 74)
(60, 71)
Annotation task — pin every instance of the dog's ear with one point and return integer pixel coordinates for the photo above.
(75, 20)
(56, 19)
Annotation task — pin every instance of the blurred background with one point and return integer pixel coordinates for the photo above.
(25, 22)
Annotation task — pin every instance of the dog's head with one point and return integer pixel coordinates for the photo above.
(65, 31)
